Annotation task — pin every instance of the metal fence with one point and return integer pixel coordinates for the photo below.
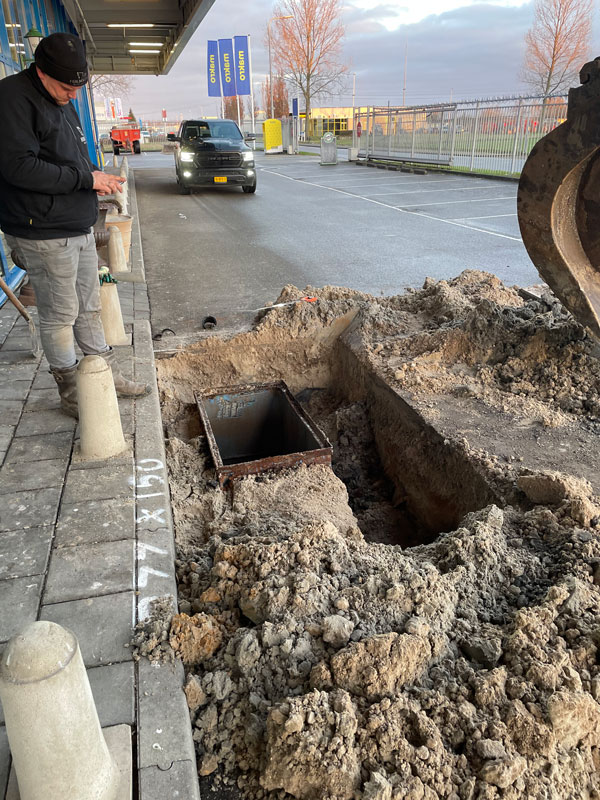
(494, 137)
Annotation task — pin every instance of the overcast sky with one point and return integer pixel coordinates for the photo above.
(455, 50)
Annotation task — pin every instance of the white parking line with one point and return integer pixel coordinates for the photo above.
(489, 216)
(404, 211)
(385, 180)
(429, 191)
(456, 202)
(389, 185)
(468, 227)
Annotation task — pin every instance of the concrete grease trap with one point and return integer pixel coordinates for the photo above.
(420, 619)
(251, 429)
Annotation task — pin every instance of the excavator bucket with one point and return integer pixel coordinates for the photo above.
(558, 203)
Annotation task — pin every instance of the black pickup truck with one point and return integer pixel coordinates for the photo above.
(213, 152)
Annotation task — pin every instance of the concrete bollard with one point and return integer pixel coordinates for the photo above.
(117, 259)
(124, 167)
(115, 161)
(100, 431)
(56, 742)
(110, 314)
(124, 197)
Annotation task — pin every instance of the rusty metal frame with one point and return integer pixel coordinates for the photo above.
(558, 203)
(228, 472)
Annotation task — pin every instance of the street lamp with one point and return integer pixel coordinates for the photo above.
(34, 37)
(273, 19)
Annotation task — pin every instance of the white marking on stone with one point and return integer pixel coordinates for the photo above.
(145, 481)
(151, 516)
(144, 574)
(143, 549)
(159, 464)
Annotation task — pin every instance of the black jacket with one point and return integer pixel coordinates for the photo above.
(45, 171)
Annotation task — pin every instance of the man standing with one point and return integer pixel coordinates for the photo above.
(48, 204)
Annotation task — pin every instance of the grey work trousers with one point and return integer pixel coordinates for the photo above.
(64, 276)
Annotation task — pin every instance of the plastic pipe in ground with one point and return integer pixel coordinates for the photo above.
(110, 314)
(100, 431)
(56, 742)
(117, 258)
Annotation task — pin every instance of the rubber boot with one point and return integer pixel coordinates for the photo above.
(123, 387)
(66, 380)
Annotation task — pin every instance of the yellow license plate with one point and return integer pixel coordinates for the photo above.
(220, 180)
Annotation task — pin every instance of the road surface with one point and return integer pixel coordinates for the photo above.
(223, 253)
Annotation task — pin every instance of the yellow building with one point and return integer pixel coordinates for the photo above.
(338, 119)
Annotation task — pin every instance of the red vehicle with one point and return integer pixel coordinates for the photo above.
(126, 137)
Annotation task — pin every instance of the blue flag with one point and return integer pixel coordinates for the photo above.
(212, 69)
(226, 64)
(242, 65)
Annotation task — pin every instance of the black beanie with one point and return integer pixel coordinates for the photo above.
(62, 57)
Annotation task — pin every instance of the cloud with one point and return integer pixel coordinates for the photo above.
(469, 52)
(363, 21)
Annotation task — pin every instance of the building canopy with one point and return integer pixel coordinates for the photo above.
(133, 37)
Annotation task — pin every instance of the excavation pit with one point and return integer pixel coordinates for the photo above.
(252, 429)
(317, 640)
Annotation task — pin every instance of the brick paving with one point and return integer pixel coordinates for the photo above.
(89, 544)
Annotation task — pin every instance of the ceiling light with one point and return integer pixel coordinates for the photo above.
(130, 25)
(146, 44)
(12, 24)
(144, 51)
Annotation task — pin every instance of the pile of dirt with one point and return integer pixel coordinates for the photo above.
(322, 666)
(472, 336)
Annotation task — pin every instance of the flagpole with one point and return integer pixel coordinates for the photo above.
(251, 91)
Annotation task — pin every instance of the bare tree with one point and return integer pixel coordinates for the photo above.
(307, 47)
(557, 44)
(111, 85)
(249, 108)
(281, 105)
(230, 107)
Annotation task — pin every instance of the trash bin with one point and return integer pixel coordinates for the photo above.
(272, 136)
(328, 149)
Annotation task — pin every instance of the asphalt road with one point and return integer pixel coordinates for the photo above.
(224, 253)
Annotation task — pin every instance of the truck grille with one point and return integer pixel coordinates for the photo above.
(220, 160)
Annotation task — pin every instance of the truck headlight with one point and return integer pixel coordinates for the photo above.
(249, 156)
(187, 156)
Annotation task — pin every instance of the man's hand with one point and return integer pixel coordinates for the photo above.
(105, 183)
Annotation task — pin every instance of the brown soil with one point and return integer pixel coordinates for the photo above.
(421, 621)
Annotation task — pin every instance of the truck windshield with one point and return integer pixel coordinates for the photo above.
(209, 129)
(224, 129)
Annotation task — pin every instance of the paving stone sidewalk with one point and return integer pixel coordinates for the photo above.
(89, 544)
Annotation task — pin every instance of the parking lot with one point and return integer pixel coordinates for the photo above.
(483, 204)
(223, 253)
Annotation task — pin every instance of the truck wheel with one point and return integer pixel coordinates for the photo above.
(137, 148)
(116, 149)
(183, 189)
